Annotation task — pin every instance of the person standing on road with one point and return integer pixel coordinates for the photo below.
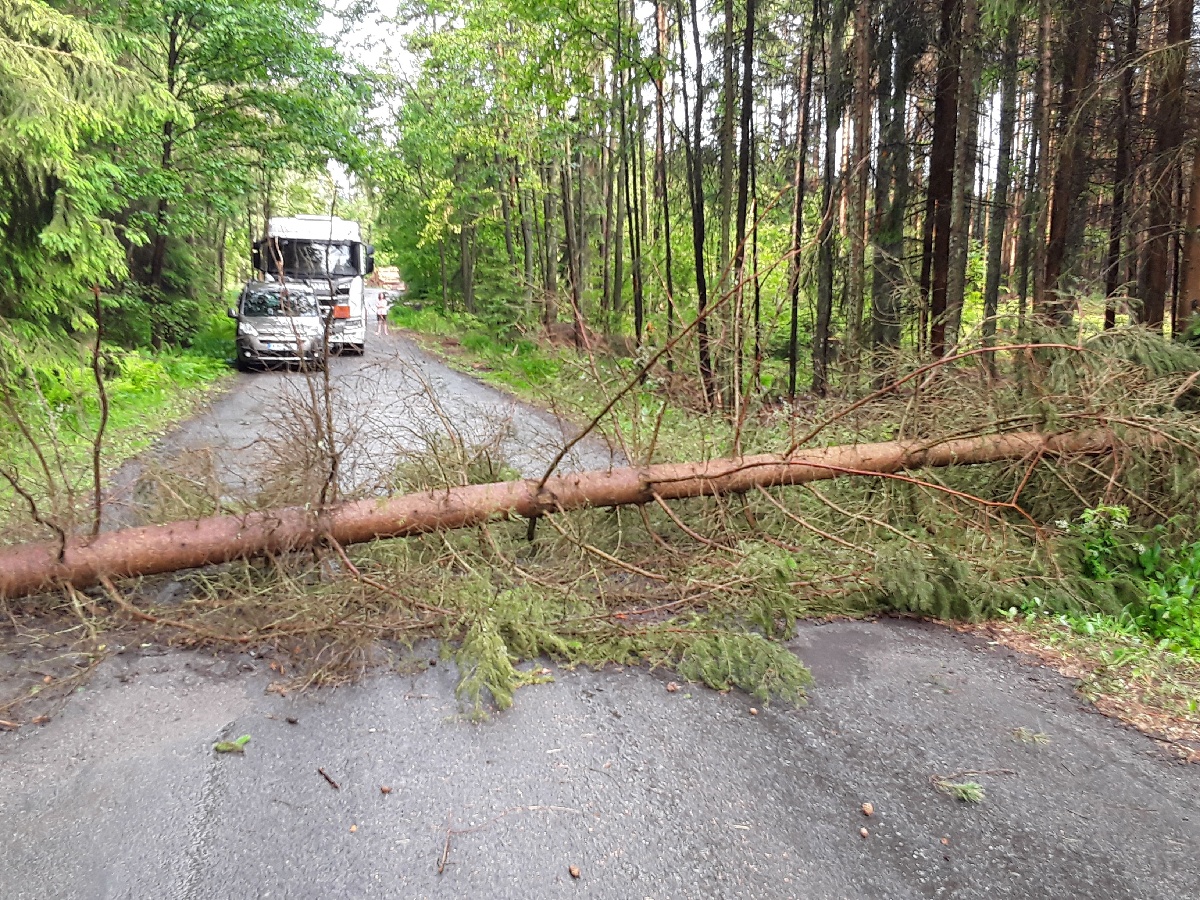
(381, 311)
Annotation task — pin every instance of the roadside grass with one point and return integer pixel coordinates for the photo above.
(1121, 671)
(57, 405)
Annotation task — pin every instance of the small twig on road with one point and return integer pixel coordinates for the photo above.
(333, 784)
(446, 847)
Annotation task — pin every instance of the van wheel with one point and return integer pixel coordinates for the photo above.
(241, 365)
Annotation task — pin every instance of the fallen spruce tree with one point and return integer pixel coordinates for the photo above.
(83, 561)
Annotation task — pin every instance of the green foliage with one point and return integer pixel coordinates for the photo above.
(966, 791)
(485, 665)
(749, 661)
(235, 746)
(1171, 608)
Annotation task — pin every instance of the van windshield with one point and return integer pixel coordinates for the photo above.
(310, 259)
(265, 304)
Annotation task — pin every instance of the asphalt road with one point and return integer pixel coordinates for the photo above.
(649, 793)
(394, 400)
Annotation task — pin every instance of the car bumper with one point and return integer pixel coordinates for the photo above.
(254, 351)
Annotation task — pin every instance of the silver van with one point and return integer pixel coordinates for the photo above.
(278, 323)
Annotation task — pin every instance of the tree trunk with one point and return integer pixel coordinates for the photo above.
(527, 243)
(727, 134)
(1079, 55)
(1116, 225)
(804, 96)
(1189, 303)
(743, 191)
(825, 237)
(156, 549)
(935, 258)
(660, 161)
(964, 172)
(995, 238)
(859, 175)
(1169, 104)
(550, 245)
(502, 179)
(697, 198)
(897, 66)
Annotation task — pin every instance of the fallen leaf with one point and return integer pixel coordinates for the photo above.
(864, 832)
(238, 746)
(753, 711)
(384, 789)
(48, 680)
(273, 666)
(946, 841)
(40, 720)
(672, 687)
(574, 870)
(353, 828)
(868, 809)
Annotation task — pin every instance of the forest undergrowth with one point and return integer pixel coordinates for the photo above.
(712, 588)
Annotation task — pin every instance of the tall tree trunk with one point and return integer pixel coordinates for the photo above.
(608, 160)
(1190, 299)
(503, 186)
(901, 46)
(1169, 104)
(1116, 225)
(743, 191)
(964, 172)
(859, 176)
(571, 235)
(936, 250)
(1008, 115)
(550, 244)
(834, 102)
(1079, 55)
(697, 197)
(527, 243)
(727, 136)
(804, 96)
(660, 162)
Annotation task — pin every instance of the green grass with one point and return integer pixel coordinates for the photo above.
(147, 393)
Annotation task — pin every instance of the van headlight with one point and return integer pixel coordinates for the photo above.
(247, 329)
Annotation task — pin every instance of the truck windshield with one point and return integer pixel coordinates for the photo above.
(310, 259)
(265, 304)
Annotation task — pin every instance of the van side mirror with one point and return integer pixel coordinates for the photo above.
(231, 312)
(369, 262)
(256, 257)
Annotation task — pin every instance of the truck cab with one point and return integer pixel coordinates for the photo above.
(327, 254)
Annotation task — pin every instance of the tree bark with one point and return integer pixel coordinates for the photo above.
(1082, 27)
(1169, 103)
(697, 198)
(660, 161)
(995, 238)
(805, 99)
(859, 176)
(155, 549)
(964, 172)
(1116, 226)
(743, 190)
(935, 258)
(834, 102)
(1189, 303)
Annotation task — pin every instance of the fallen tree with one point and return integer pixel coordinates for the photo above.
(83, 561)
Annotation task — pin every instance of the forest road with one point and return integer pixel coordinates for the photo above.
(645, 792)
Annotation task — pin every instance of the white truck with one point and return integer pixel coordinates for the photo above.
(327, 254)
